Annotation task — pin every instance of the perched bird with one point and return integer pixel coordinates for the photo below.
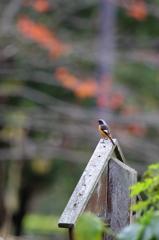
(105, 130)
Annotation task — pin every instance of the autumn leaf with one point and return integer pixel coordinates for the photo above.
(67, 79)
(137, 9)
(87, 88)
(41, 5)
(38, 5)
(82, 88)
(103, 101)
(136, 129)
(42, 36)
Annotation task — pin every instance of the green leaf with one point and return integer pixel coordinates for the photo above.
(89, 227)
(146, 217)
(132, 232)
(154, 166)
(137, 188)
(155, 197)
(140, 205)
(148, 173)
(147, 183)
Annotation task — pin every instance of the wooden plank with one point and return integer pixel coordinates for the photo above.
(87, 183)
(97, 202)
(120, 178)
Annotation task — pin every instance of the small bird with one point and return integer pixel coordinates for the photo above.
(104, 130)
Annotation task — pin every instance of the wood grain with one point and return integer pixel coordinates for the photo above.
(87, 183)
(120, 178)
(103, 189)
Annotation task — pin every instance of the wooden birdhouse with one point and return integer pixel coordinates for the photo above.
(103, 189)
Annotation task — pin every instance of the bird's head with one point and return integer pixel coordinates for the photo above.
(101, 122)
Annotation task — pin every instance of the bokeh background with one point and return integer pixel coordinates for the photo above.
(63, 65)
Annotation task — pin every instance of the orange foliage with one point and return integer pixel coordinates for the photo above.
(137, 9)
(113, 100)
(89, 88)
(103, 101)
(38, 5)
(106, 97)
(82, 89)
(41, 5)
(67, 79)
(136, 129)
(43, 36)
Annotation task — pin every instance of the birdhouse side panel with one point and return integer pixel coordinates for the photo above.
(120, 178)
(97, 201)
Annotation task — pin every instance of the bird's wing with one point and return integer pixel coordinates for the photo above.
(105, 129)
(107, 132)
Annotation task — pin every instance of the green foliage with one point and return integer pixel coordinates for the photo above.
(38, 223)
(141, 231)
(150, 187)
(83, 230)
(89, 227)
(134, 232)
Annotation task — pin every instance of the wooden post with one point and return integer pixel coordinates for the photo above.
(103, 189)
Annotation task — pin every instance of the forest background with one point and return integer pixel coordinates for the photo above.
(63, 65)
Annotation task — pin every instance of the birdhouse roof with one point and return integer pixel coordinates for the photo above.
(88, 181)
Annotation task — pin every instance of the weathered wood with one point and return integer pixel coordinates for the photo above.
(97, 201)
(110, 200)
(103, 189)
(87, 183)
(120, 178)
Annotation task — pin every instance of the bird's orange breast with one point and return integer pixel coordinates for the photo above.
(101, 132)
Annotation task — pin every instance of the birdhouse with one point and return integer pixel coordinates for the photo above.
(103, 189)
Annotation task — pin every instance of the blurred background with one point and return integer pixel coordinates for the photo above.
(63, 65)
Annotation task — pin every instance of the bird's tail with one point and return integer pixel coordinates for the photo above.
(111, 140)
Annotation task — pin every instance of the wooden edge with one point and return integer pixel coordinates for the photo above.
(125, 166)
(65, 225)
(118, 152)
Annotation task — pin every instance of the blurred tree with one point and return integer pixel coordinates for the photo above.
(106, 25)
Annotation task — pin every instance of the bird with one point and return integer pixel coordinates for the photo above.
(104, 130)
